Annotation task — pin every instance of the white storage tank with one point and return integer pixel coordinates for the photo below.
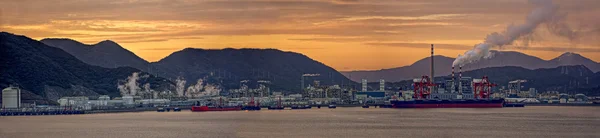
(128, 100)
(11, 97)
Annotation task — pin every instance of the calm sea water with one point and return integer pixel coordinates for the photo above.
(531, 121)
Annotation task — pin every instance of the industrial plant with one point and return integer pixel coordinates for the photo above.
(453, 91)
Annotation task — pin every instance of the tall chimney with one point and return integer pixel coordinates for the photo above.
(364, 85)
(453, 80)
(432, 67)
(460, 80)
(432, 73)
(382, 85)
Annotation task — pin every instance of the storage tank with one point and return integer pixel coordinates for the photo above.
(128, 100)
(11, 97)
(104, 97)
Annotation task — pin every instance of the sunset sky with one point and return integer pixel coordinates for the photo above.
(344, 34)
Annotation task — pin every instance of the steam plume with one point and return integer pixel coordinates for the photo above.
(180, 86)
(544, 13)
(130, 85)
(195, 89)
(202, 88)
(133, 84)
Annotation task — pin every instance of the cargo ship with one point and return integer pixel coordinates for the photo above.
(467, 93)
(476, 98)
(204, 108)
(495, 103)
(252, 106)
(332, 106)
(278, 107)
(301, 107)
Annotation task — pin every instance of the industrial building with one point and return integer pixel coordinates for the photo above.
(11, 97)
(369, 94)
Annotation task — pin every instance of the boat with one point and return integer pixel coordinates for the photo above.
(307, 106)
(204, 108)
(251, 105)
(160, 109)
(251, 108)
(494, 103)
(301, 107)
(332, 106)
(278, 107)
(215, 108)
(297, 107)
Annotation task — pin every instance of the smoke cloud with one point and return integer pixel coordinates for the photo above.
(130, 85)
(195, 89)
(201, 88)
(544, 13)
(133, 84)
(180, 88)
(148, 91)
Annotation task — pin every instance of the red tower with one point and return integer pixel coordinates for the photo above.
(482, 89)
(422, 87)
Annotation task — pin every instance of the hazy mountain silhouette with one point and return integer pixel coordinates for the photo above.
(47, 73)
(230, 66)
(443, 65)
(569, 58)
(106, 54)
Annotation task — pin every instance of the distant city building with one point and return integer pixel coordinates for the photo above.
(73, 101)
(581, 98)
(369, 94)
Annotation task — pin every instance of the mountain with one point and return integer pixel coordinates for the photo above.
(417, 69)
(106, 54)
(570, 58)
(443, 65)
(230, 66)
(46, 73)
(565, 79)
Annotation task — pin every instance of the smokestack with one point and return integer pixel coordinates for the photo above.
(460, 79)
(432, 67)
(453, 80)
(364, 85)
(382, 85)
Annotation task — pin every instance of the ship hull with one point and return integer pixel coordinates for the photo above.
(498, 103)
(251, 108)
(276, 108)
(206, 108)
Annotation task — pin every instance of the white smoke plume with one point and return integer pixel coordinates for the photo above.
(147, 91)
(195, 89)
(147, 88)
(212, 90)
(202, 88)
(180, 88)
(544, 13)
(130, 85)
(122, 89)
(133, 84)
